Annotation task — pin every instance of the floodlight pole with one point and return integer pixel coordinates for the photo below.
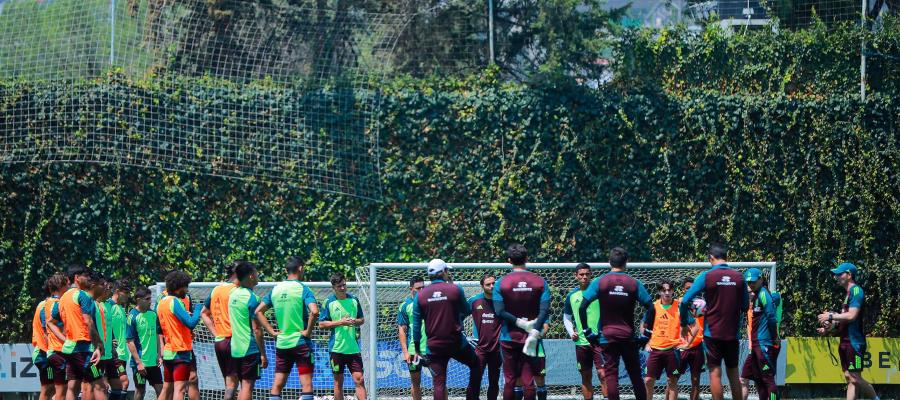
(862, 52)
(112, 30)
(373, 334)
(491, 30)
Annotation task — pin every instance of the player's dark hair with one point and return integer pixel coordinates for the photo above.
(56, 282)
(582, 266)
(337, 277)
(141, 292)
(122, 285)
(517, 254)
(176, 280)
(229, 269)
(76, 269)
(485, 276)
(416, 279)
(688, 279)
(98, 278)
(618, 257)
(293, 264)
(243, 269)
(667, 281)
(718, 251)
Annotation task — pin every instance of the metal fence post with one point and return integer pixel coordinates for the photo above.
(491, 30)
(112, 31)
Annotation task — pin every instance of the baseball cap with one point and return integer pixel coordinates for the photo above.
(437, 266)
(844, 267)
(752, 274)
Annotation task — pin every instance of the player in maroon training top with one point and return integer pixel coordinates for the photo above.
(487, 331)
(442, 305)
(726, 301)
(521, 300)
(618, 293)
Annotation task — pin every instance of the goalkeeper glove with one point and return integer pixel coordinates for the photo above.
(525, 324)
(591, 337)
(531, 343)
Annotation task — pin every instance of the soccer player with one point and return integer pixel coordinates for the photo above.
(764, 341)
(343, 314)
(404, 318)
(100, 293)
(487, 332)
(296, 312)
(442, 306)
(726, 299)
(58, 284)
(247, 348)
(176, 325)
(662, 324)
(617, 293)
(849, 324)
(587, 354)
(521, 300)
(115, 312)
(215, 317)
(692, 355)
(76, 311)
(144, 344)
(50, 385)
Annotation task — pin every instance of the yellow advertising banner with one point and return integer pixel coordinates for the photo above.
(816, 360)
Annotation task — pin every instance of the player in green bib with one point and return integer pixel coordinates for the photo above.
(143, 341)
(586, 353)
(295, 311)
(342, 313)
(404, 322)
(100, 292)
(115, 314)
(247, 347)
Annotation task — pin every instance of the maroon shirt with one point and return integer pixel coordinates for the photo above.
(617, 293)
(487, 324)
(726, 301)
(442, 305)
(521, 293)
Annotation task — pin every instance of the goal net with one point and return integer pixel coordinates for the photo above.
(384, 286)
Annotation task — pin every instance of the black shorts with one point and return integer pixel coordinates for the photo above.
(248, 367)
(223, 357)
(693, 358)
(152, 375)
(659, 360)
(79, 367)
(722, 350)
(588, 355)
(111, 368)
(340, 361)
(301, 356)
(851, 360)
(57, 366)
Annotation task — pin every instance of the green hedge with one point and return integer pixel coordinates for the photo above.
(469, 165)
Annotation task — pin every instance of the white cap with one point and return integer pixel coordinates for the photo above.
(437, 266)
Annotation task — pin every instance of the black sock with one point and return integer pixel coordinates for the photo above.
(520, 392)
(541, 393)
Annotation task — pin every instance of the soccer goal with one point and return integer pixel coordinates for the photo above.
(384, 286)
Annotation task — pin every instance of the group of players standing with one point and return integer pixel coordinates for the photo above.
(83, 338)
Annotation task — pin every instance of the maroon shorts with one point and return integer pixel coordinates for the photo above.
(79, 367)
(248, 367)
(301, 355)
(587, 355)
(759, 362)
(851, 360)
(152, 375)
(659, 360)
(694, 359)
(339, 362)
(223, 357)
(179, 369)
(719, 350)
(57, 365)
(111, 369)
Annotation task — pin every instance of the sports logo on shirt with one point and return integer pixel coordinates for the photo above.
(618, 290)
(522, 287)
(437, 296)
(726, 281)
(480, 307)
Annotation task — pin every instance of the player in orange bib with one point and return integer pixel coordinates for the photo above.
(55, 336)
(216, 319)
(176, 323)
(83, 346)
(662, 324)
(52, 380)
